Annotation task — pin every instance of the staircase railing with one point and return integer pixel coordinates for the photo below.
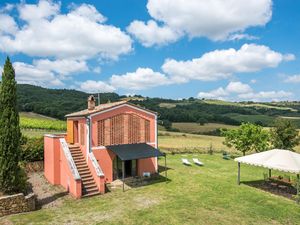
(70, 177)
(97, 172)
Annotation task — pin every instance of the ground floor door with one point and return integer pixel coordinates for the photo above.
(130, 168)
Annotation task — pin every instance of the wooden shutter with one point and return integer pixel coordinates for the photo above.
(70, 131)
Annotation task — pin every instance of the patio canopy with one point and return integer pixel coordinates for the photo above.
(277, 159)
(135, 151)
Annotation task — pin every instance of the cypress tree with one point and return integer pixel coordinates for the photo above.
(11, 175)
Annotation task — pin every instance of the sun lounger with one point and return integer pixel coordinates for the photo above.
(186, 162)
(197, 162)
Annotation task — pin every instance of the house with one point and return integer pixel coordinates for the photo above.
(103, 143)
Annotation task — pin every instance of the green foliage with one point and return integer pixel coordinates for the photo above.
(248, 137)
(32, 149)
(55, 103)
(284, 135)
(12, 178)
(46, 124)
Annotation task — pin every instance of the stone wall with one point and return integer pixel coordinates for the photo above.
(17, 203)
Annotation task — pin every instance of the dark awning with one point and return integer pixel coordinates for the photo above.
(135, 151)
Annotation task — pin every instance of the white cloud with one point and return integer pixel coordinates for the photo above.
(42, 10)
(253, 81)
(7, 25)
(91, 86)
(221, 64)
(236, 37)
(80, 33)
(62, 67)
(45, 72)
(266, 95)
(142, 78)
(29, 74)
(238, 87)
(214, 19)
(97, 69)
(293, 79)
(234, 87)
(150, 34)
(219, 93)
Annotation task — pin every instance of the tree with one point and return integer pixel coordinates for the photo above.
(248, 137)
(11, 175)
(284, 135)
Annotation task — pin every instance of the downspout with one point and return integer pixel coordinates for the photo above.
(89, 136)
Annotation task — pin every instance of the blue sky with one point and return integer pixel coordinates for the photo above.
(233, 50)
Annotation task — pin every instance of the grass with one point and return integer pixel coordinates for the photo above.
(194, 195)
(196, 128)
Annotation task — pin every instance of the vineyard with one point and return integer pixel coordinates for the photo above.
(29, 122)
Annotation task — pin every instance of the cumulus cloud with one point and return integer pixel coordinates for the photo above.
(221, 64)
(219, 93)
(30, 74)
(45, 72)
(293, 79)
(8, 25)
(266, 95)
(80, 33)
(142, 78)
(238, 87)
(215, 19)
(240, 91)
(150, 33)
(92, 86)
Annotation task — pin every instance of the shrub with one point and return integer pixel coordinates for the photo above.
(32, 149)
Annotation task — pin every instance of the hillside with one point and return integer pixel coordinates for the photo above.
(54, 102)
(57, 103)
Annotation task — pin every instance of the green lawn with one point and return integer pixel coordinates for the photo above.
(194, 195)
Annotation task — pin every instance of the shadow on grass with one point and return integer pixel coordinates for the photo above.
(145, 181)
(274, 188)
(163, 168)
(136, 182)
(49, 199)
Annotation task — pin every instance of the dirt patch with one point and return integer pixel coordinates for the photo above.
(48, 195)
(146, 202)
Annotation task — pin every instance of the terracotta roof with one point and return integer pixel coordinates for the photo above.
(103, 107)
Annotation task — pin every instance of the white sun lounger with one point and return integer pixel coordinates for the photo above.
(197, 162)
(186, 162)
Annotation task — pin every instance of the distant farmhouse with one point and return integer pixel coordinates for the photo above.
(103, 143)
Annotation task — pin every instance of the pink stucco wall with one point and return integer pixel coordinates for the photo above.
(52, 158)
(56, 168)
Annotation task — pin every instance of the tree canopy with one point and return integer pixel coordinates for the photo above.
(248, 137)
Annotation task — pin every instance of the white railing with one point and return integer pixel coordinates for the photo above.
(95, 164)
(69, 158)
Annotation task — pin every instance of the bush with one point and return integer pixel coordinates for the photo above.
(32, 149)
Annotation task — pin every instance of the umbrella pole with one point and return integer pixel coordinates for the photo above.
(298, 188)
(166, 174)
(123, 175)
(239, 173)
(270, 173)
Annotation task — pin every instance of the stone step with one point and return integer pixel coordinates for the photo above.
(85, 195)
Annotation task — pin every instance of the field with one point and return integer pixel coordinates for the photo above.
(197, 128)
(181, 142)
(193, 195)
(35, 121)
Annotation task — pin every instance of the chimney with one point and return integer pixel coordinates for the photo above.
(91, 102)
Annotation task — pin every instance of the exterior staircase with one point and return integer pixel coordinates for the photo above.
(89, 187)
